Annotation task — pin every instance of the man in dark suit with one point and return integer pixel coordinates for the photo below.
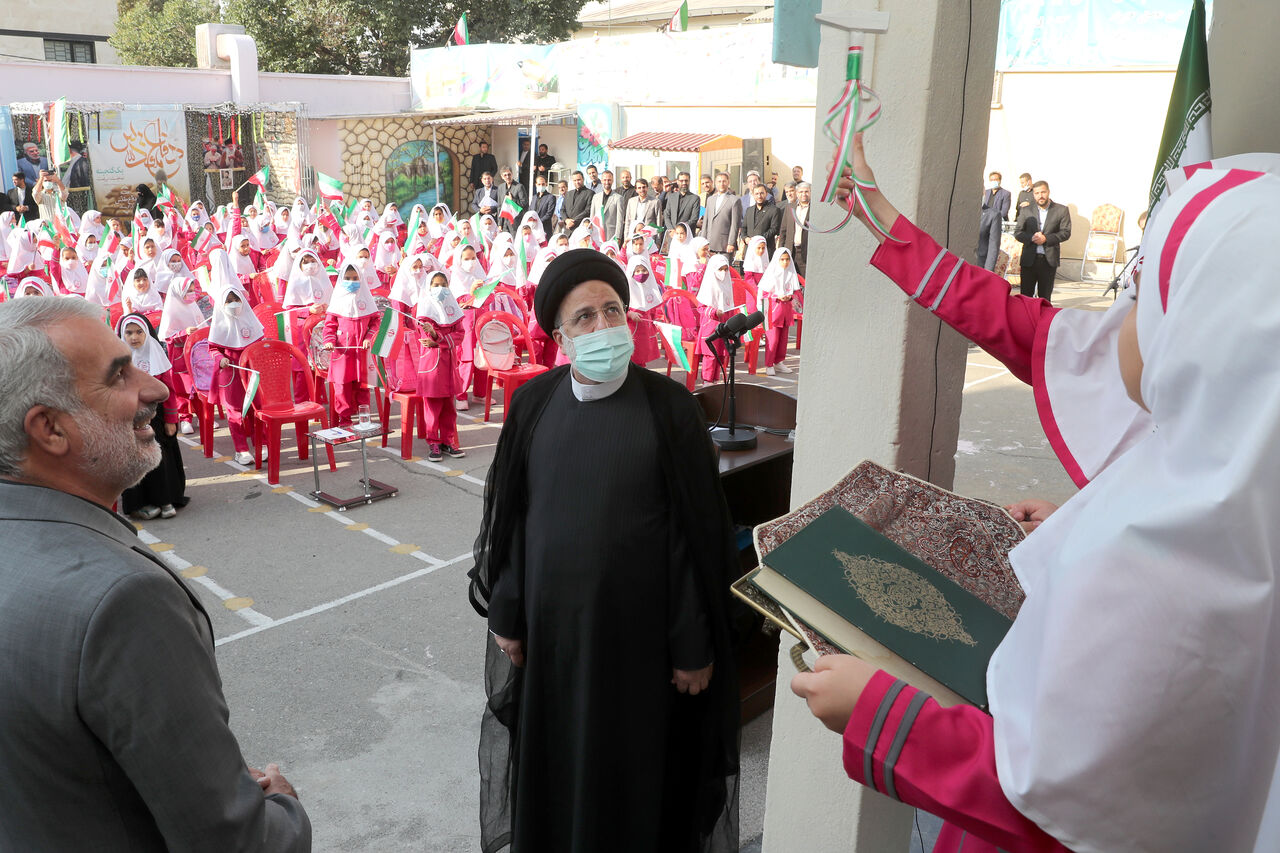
(1026, 198)
(487, 198)
(544, 203)
(995, 209)
(762, 219)
(793, 235)
(1042, 229)
(20, 199)
(516, 192)
(681, 206)
(577, 203)
(481, 163)
(543, 162)
(723, 219)
(524, 163)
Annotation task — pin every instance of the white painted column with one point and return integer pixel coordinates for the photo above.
(882, 378)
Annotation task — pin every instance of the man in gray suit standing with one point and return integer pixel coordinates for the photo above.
(113, 726)
(723, 219)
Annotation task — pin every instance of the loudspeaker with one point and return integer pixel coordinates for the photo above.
(757, 154)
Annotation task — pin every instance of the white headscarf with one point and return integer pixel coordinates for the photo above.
(140, 302)
(438, 303)
(488, 228)
(461, 281)
(387, 252)
(222, 274)
(74, 275)
(352, 305)
(164, 275)
(180, 309)
(753, 261)
(236, 331)
(582, 237)
(534, 222)
(261, 232)
(87, 245)
(437, 229)
(241, 264)
(390, 218)
(91, 223)
(646, 294)
(777, 281)
(97, 288)
(1135, 697)
(150, 357)
(716, 291)
(31, 281)
(545, 256)
(197, 216)
(22, 251)
(499, 265)
(407, 287)
(303, 289)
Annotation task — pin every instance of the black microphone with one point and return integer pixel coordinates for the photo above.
(735, 326)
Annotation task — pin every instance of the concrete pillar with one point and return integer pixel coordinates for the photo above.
(882, 377)
(1244, 73)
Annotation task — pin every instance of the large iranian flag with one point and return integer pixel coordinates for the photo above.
(59, 141)
(330, 188)
(260, 178)
(679, 22)
(1186, 126)
(460, 34)
(510, 209)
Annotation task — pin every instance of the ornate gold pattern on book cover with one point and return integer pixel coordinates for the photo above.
(901, 597)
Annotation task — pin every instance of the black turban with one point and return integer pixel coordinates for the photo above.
(569, 270)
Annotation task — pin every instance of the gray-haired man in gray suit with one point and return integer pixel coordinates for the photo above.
(723, 219)
(113, 726)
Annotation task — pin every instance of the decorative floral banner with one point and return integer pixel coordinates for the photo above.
(138, 147)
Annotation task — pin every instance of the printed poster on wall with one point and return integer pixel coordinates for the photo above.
(138, 147)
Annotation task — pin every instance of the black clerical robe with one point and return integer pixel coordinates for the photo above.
(606, 547)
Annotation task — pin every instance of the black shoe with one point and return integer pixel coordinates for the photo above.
(433, 453)
(455, 452)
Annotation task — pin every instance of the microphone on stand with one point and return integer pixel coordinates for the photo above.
(731, 332)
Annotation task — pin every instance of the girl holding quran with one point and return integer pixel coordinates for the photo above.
(1133, 701)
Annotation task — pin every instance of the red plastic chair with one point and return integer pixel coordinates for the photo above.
(274, 406)
(519, 373)
(202, 401)
(266, 314)
(265, 291)
(671, 298)
(413, 408)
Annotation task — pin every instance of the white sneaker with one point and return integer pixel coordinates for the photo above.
(243, 458)
(782, 368)
(769, 371)
(185, 428)
(461, 405)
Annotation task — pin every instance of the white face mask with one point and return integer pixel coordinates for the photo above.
(467, 264)
(363, 263)
(232, 309)
(991, 185)
(309, 267)
(175, 264)
(66, 264)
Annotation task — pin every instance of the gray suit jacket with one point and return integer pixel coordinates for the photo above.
(721, 227)
(640, 211)
(113, 726)
(611, 212)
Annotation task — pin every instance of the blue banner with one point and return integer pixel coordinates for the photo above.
(8, 154)
(1090, 34)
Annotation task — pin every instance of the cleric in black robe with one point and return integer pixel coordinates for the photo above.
(604, 562)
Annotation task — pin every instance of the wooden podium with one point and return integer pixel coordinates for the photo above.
(757, 486)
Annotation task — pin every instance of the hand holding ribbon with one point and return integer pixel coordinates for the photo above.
(847, 118)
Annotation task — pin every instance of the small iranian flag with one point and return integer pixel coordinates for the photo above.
(206, 239)
(679, 22)
(460, 35)
(522, 262)
(674, 336)
(260, 178)
(258, 201)
(113, 242)
(282, 325)
(46, 239)
(748, 336)
(59, 141)
(386, 344)
(250, 390)
(330, 189)
(510, 210)
(483, 291)
(415, 219)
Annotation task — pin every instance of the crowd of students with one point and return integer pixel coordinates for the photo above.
(176, 269)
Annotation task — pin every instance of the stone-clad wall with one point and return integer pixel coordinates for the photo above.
(367, 143)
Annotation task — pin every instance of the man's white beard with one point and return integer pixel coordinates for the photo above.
(112, 452)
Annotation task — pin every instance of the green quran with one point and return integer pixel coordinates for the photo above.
(904, 574)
